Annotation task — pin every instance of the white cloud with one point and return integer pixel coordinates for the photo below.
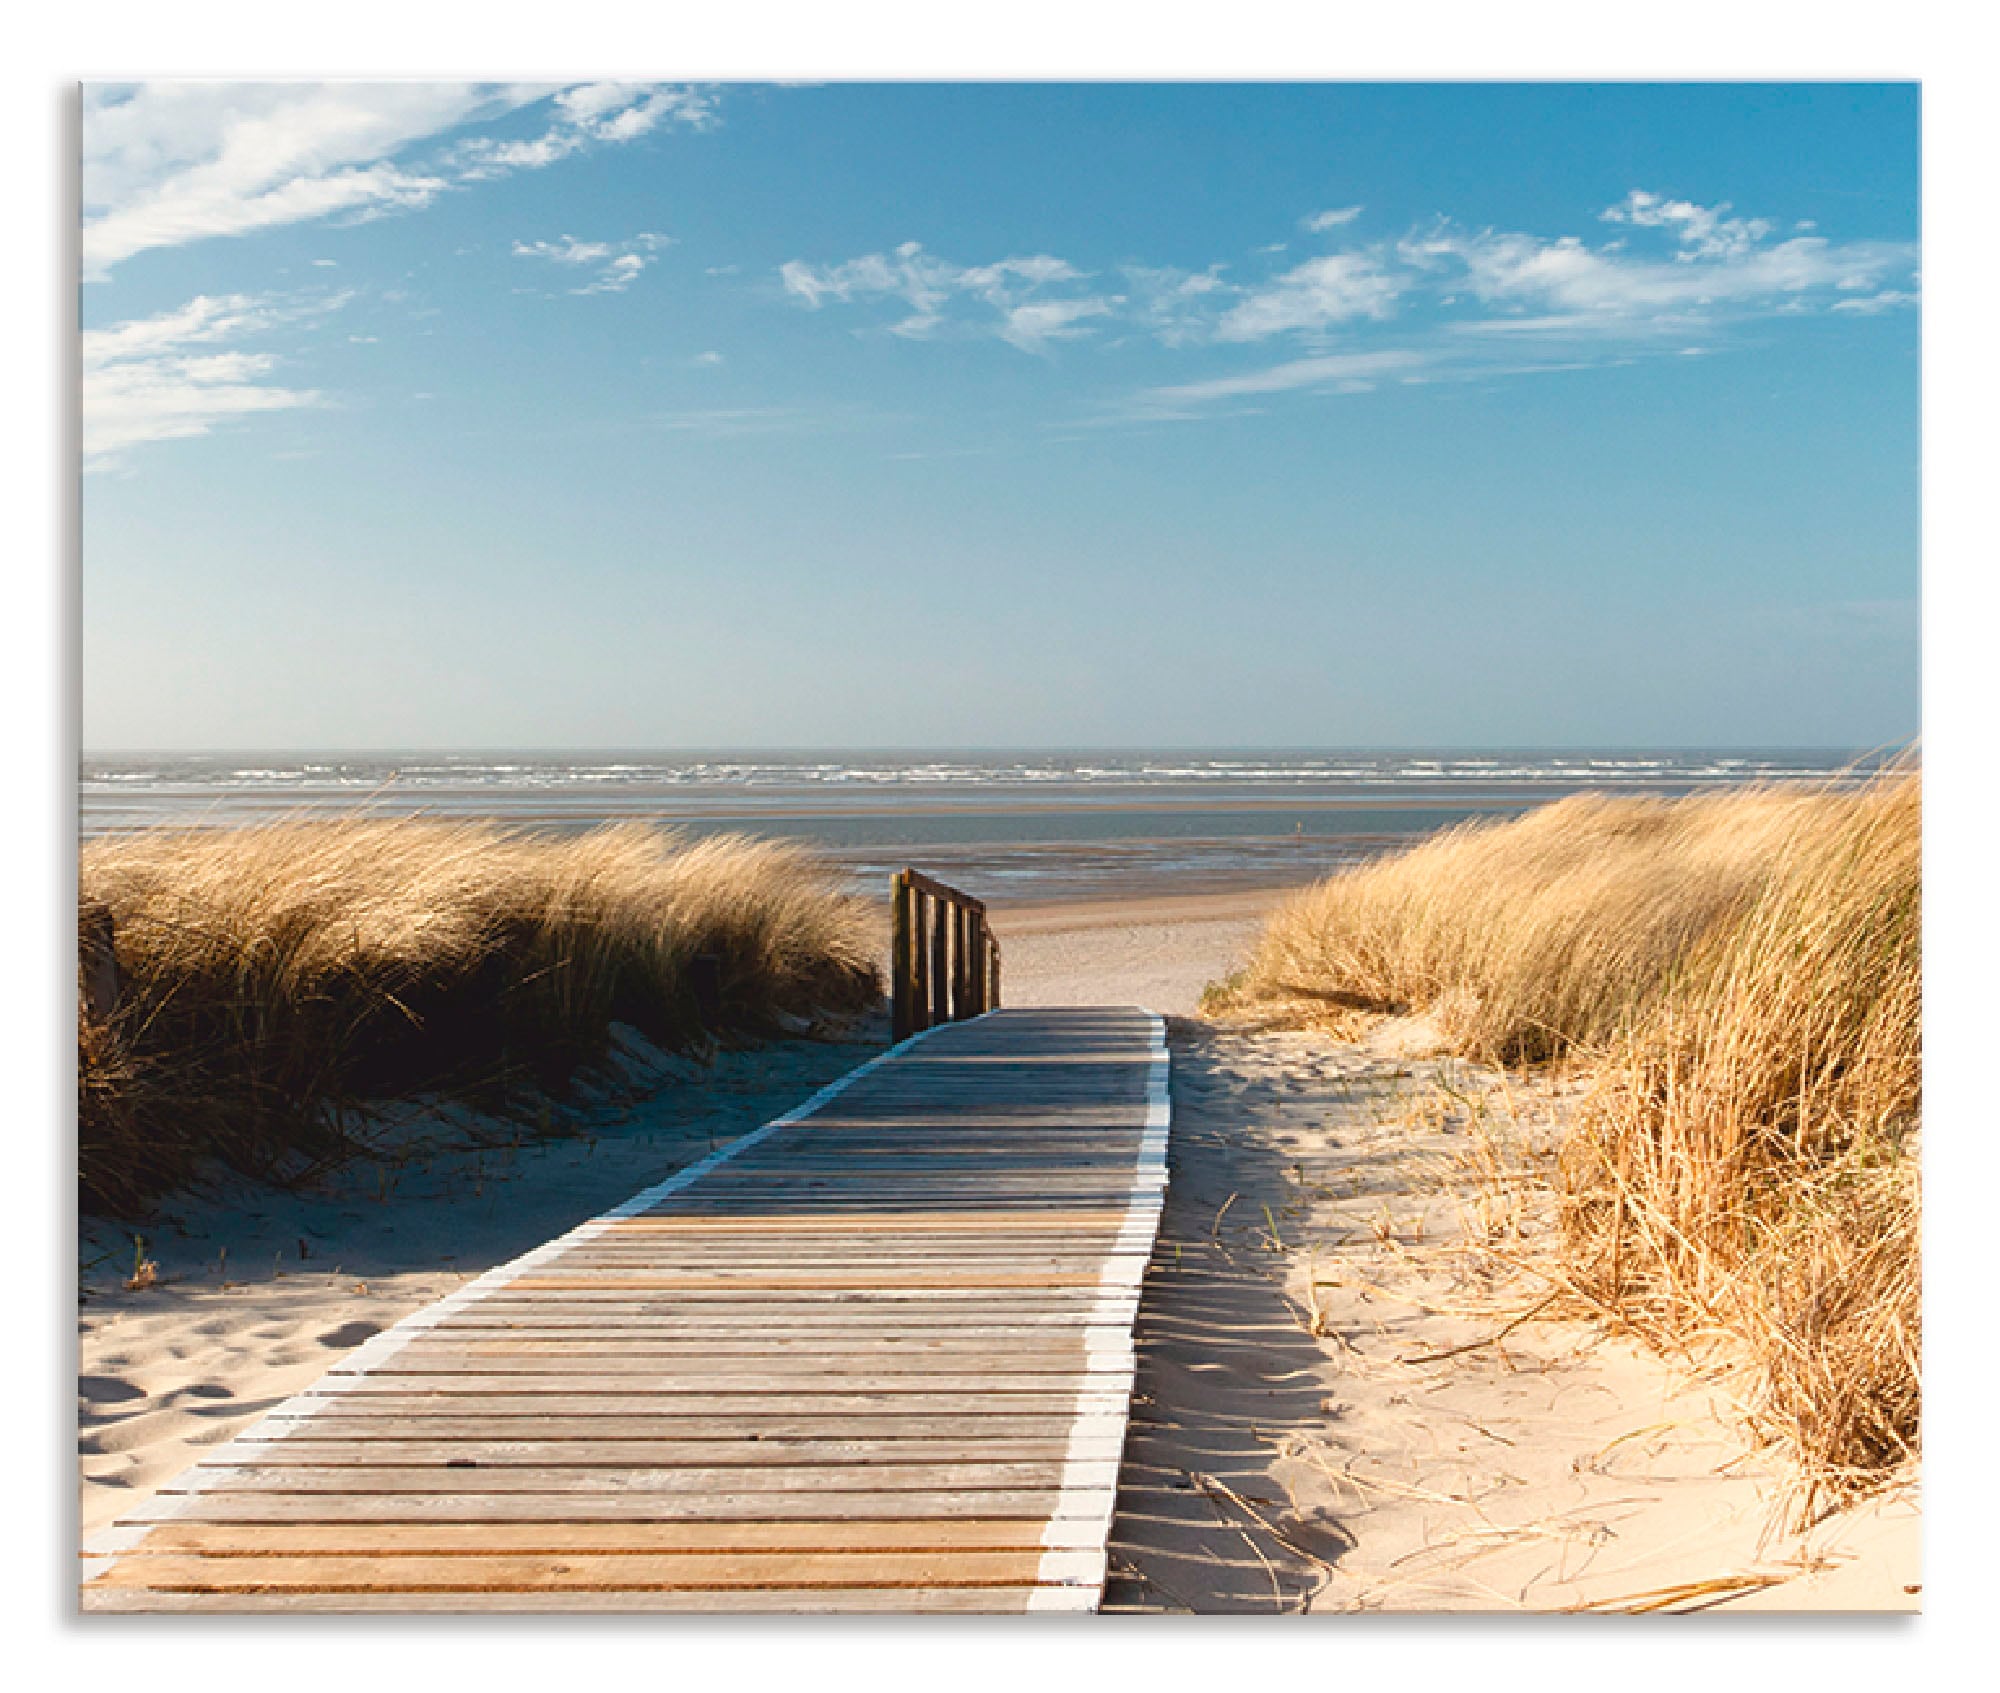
(1703, 231)
(169, 163)
(1868, 305)
(1719, 266)
(1350, 371)
(1177, 306)
(1033, 327)
(164, 378)
(707, 360)
(1466, 304)
(1316, 295)
(618, 264)
(594, 114)
(1320, 222)
(567, 251)
(930, 286)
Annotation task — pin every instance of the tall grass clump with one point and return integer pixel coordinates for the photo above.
(272, 979)
(1739, 978)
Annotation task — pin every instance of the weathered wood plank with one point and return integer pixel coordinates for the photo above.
(816, 1601)
(582, 1572)
(875, 1356)
(738, 1410)
(716, 1505)
(872, 1479)
(987, 1431)
(988, 1534)
(366, 1450)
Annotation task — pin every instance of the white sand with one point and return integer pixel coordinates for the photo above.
(1269, 1467)
(1159, 953)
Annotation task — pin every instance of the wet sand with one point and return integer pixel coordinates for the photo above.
(1158, 952)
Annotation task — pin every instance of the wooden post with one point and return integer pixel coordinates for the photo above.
(961, 962)
(974, 974)
(940, 963)
(902, 957)
(944, 963)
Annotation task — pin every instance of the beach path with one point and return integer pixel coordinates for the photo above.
(874, 1356)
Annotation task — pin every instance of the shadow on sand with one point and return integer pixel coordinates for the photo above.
(1226, 1370)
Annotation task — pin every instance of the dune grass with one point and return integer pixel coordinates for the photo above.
(274, 979)
(1738, 977)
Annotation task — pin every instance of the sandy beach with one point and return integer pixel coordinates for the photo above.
(1337, 1409)
(1339, 1405)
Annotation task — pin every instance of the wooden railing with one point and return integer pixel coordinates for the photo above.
(945, 963)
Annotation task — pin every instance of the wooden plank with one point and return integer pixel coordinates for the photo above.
(716, 1505)
(977, 1534)
(513, 1572)
(887, 1222)
(876, 1354)
(362, 1449)
(721, 1283)
(826, 1329)
(1046, 1426)
(941, 891)
(868, 1350)
(816, 1601)
(743, 1410)
(558, 1375)
(877, 1479)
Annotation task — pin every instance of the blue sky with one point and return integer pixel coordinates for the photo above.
(638, 415)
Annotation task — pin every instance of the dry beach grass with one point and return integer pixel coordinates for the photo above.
(1737, 979)
(272, 979)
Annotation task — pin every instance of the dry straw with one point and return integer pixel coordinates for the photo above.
(1739, 976)
(273, 979)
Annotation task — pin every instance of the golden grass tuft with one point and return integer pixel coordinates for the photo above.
(274, 977)
(1739, 976)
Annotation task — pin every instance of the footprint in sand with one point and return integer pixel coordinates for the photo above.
(349, 1334)
(107, 1390)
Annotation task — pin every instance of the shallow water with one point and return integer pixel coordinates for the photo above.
(1017, 825)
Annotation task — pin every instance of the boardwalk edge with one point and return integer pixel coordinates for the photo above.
(1089, 1488)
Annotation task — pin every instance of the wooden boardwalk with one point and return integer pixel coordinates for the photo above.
(875, 1356)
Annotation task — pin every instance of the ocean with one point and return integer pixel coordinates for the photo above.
(1017, 827)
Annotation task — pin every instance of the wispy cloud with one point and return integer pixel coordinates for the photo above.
(618, 264)
(594, 114)
(1679, 270)
(1008, 294)
(165, 164)
(1314, 296)
(1352, 372)
(1320, 222)
(1719, 266)
(176, 375)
